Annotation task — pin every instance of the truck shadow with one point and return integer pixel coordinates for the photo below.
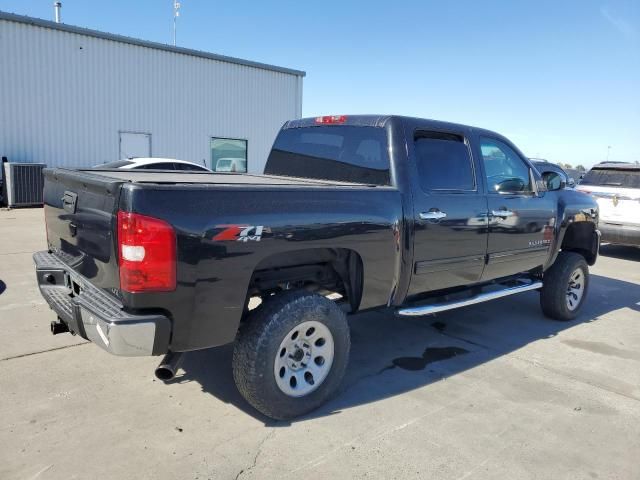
(3, 287)
(392, 355)
(621, 252)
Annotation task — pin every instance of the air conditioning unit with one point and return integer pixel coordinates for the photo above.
(23, 184)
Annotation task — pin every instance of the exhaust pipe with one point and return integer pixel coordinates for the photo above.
(169, 366)
(57, 6)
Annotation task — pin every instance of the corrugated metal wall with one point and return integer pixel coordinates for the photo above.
(64, 98)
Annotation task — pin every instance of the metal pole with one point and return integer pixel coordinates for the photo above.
(608, 150)
(56, 11)
(176, 14)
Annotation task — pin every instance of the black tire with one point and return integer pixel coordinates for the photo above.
(258, 343)
(553, 296)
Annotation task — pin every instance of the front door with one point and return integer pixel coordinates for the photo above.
(450, 211)
(521, 222)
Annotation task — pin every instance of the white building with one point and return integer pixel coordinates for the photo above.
(75, 97)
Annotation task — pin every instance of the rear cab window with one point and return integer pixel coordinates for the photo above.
(343, 153)
(612, 177)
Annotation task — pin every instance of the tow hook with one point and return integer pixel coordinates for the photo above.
(169, 366)
(58, 326)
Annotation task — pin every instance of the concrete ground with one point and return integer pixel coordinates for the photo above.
(489, 391)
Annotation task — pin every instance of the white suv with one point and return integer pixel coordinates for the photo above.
(616, 187)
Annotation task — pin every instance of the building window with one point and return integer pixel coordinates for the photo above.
(228, 155)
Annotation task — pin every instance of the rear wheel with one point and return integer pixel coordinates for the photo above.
(565, 286)
(291, 354)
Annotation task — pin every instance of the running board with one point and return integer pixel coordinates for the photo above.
(483, 297)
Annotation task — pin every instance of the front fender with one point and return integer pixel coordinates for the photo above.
(576, 226)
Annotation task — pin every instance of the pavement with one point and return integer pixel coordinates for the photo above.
(490, 391)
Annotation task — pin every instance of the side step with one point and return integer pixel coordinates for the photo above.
(483, 297)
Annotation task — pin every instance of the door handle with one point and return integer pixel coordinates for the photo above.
(432, 215)
(502, 213)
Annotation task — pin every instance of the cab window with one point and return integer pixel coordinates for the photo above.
(506, 171)
(443, 162)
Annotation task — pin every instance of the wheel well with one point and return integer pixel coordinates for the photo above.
(580, 238)
(327, 270)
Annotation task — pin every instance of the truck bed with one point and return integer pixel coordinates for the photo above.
(160, 177)
(214, 271)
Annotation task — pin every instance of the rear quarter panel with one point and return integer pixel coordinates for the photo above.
(215, 268)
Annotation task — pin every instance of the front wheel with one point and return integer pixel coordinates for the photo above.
(565, 287)
(291, 354)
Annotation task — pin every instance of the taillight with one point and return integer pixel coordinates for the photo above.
(147, 253)
(331, 119)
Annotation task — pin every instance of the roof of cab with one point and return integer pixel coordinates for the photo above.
(379, 121)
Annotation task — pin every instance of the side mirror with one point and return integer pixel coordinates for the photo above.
(572, 182)
(554, 181)
(511, 185)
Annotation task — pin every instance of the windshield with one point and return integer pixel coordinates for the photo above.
(341, 153)
(613, 177)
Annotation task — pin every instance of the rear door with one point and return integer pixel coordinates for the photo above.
(450, 211)
(521, 223)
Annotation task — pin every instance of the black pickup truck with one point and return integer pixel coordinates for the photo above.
(352, 213)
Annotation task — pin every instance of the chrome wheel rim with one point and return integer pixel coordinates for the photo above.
(304, 359)
(575, 289)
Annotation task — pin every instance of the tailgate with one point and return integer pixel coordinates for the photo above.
(617, 205)
(79, 210)
(620, 210)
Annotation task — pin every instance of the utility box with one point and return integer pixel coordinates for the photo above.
(23, 184)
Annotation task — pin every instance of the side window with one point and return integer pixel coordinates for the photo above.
(189, 168)
(157, 166)
(506, 171)
(443, 162)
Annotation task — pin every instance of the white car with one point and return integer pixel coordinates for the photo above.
(616, 187)
(231, 165)
(154, 164)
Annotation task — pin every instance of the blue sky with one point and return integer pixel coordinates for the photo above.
(560, 78)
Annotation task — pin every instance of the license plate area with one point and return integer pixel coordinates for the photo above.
(75, 289)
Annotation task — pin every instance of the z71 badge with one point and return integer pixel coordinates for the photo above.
(240, 233)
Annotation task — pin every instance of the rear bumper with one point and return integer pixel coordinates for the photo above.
(620, 234)
(97, 316)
